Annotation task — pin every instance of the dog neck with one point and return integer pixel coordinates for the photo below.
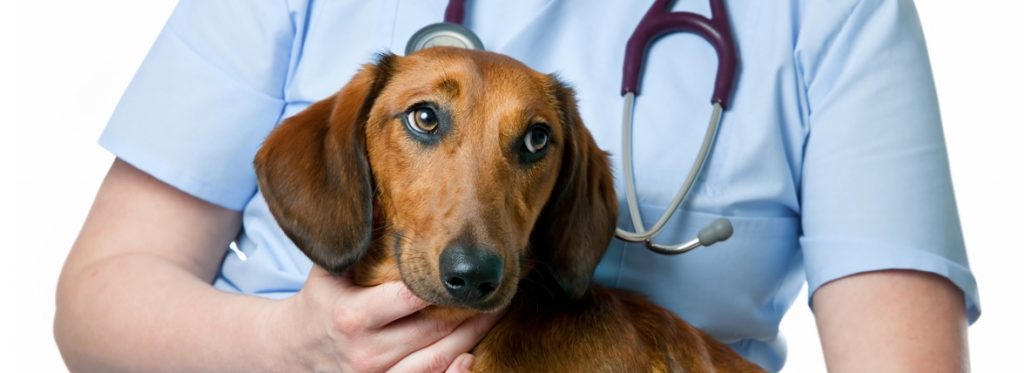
(376, 267)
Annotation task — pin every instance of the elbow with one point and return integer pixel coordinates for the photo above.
(65, 324)
(92, 325)
(76, 324)
(63, 336)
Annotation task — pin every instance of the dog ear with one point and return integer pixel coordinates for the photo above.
(315, 177)
(578, 222)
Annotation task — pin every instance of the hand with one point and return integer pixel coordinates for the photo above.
(342, 326)
(463, 363)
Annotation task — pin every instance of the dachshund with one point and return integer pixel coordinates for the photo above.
(471, 178)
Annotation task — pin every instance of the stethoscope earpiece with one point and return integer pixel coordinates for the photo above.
(443, 34)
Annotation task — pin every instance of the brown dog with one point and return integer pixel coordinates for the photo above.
(471, 178)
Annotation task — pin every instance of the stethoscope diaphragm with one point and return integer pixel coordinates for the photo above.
(443, 34)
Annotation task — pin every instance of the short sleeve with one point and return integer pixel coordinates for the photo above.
(875, 190)
(205, 97)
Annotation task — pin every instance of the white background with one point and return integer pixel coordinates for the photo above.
(73, 59)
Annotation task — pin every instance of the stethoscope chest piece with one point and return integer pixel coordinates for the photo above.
(443, 34)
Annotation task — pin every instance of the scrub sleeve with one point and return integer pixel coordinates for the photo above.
(875, 187)
(205, 97)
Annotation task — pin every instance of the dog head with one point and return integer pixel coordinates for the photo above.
(467, 167)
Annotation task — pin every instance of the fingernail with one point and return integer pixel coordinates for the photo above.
(467, 362)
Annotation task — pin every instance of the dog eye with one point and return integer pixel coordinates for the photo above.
(537, 138)
(423, 120)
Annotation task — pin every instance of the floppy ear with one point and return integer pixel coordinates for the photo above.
(578, 222)
(315, 177)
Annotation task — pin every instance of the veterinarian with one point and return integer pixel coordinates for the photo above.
(830, 163)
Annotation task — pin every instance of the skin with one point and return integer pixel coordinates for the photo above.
(892, 321)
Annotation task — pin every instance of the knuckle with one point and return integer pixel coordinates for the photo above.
(436, 363)
(408, 297)
(348, 321)
(487, 323)
(440, 328)
(482, 327)
(361, 366)
(363, 360)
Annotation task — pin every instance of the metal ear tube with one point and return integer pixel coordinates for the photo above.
(449, 33)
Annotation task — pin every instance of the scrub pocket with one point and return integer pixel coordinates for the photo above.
(734, 290)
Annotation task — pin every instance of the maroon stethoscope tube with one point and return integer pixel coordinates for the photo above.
(455, 11)
(659, 21)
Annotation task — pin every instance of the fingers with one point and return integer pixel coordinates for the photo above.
(389, 301)
(418, 330)
(440, 355)
(373, 327)
(413, 333)
(373, 307)
(463, 363)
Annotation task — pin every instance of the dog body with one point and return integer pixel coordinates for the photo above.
(471, 178)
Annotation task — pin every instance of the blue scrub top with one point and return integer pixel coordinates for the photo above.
(830, 160)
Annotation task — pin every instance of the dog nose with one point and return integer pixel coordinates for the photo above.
(470, 274)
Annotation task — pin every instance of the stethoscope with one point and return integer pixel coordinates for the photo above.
(657, 22)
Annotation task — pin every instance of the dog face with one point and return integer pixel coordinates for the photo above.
(467, 167)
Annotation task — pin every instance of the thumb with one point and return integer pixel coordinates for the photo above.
(319, 275)
(318, 271)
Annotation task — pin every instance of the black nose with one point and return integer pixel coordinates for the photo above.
(470, 274)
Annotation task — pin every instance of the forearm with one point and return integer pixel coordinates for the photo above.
(138, 312)
(135, 292)
(892, 321)
(135, 295)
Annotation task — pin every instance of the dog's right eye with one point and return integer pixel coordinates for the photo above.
(422, 120)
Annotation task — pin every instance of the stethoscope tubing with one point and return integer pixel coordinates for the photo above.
(657, 22)
(660, 21)
(455, 12)
(642, 234)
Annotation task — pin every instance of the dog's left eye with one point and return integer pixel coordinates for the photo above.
(534, 143)
(423, 120)
(537, 138)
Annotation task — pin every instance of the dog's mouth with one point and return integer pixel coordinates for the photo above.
(435, 292)
(460, 277)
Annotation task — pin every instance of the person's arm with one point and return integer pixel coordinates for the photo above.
(882, 247)
(892, 321)
(135, 291)
(135, 295)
